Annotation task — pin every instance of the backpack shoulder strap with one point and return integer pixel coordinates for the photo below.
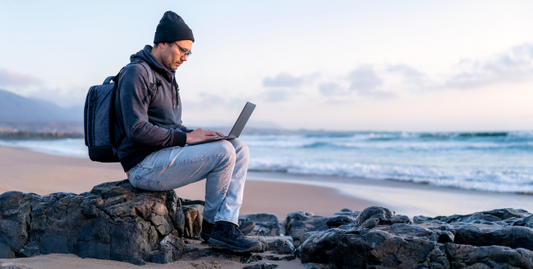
(152, 87)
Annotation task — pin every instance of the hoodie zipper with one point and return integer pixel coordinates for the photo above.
(176, 91)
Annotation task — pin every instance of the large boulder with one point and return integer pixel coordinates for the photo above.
(368, 248)
(114, 221)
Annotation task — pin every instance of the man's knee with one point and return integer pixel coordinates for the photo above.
(226, 148)
(240, 147)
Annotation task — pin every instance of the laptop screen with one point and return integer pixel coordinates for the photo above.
(242, 120)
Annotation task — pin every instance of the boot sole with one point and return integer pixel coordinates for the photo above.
(223, 245)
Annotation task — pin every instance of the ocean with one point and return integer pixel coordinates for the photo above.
(484, 161)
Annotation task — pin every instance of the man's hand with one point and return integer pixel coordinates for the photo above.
(201, 135)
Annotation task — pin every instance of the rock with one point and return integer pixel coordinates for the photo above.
(367, 248)
(193, 220)
(278, 244)
(486, 235)
(306, 236)
(504, 227)
(265, 224)
(15, 221)
(311, 265)
(263, 265)
(462, 256)
(6, 252)
(298, 223)
(119, 222)
(528, 222)
(375, 215)
(114, 221)
(381, 239)
(505, 216)
(337, 221)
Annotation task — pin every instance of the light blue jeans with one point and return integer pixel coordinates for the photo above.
(223, 164)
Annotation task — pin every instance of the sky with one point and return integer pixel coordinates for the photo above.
(334, 65)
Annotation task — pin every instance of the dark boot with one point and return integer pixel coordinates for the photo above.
(206, 230)
(245, 226)
(226, 235)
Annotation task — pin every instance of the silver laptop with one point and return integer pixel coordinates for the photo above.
(237, 127)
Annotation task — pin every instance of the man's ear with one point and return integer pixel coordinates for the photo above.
(161, 45)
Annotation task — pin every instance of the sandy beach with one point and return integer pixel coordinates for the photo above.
(276, 193)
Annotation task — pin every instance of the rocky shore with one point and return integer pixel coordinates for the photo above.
(115, 221)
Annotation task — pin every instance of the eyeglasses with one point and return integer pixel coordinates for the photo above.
(183, 52)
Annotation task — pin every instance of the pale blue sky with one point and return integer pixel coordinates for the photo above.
(357, 65)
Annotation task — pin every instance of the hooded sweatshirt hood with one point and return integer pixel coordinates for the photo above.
(169, 75)
(146, 55)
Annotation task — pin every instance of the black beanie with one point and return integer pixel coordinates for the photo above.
(172, 28)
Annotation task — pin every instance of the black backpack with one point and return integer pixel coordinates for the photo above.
(99, 117)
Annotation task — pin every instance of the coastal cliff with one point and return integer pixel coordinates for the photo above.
(116, 221)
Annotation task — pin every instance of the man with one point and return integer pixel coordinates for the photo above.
(153, 150)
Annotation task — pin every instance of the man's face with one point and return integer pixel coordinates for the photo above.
(173, 53)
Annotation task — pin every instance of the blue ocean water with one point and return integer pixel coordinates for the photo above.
(489, 161)
(497, 161)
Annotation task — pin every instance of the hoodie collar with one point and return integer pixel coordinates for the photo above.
(146, 55)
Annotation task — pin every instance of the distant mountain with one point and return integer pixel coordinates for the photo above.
(14, 107)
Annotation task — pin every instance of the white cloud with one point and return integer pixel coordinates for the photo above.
(286, 80)
(283, 80)
(512, 66)
(364, 79)
(410, 74)
(275, 96)
(332, 89)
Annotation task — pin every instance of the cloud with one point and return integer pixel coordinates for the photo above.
(364, 79)
(513, 65)
(275, 96)
(208, 99)
(287, 85)
(283, 80)
(332, 89)
(410, 74)
(9, 78)
(385, 81)
(286, 80)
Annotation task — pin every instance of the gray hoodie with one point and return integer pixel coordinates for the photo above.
(147, 121)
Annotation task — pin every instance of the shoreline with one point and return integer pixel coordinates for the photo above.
(280, 192)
